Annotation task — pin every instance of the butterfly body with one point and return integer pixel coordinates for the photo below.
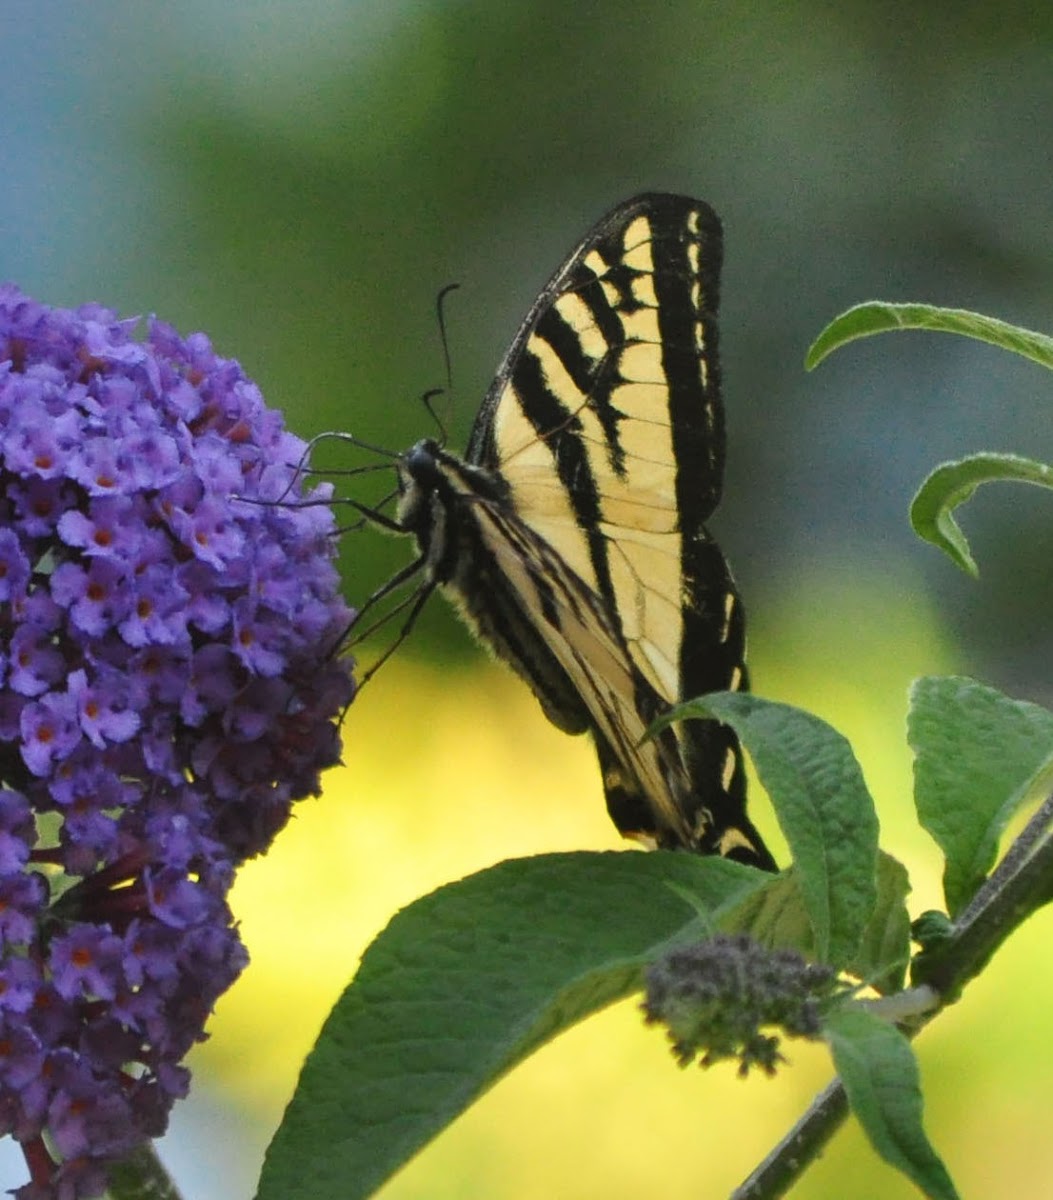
(571, 534)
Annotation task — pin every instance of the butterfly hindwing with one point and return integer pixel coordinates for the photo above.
(572, 533)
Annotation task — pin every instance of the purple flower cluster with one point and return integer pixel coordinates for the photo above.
(169, 612)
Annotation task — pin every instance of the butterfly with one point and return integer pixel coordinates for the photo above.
(571, 533)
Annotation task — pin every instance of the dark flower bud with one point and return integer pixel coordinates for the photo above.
(716, 997)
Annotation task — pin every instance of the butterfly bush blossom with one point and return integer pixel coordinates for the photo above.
(168, 687)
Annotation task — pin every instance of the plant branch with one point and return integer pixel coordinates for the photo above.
(1020, 884)
(804, 1143)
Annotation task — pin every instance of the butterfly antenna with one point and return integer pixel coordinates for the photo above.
(429, 396)
(440, 314)
(426, 399)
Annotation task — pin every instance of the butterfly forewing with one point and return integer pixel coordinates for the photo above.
(573, 532)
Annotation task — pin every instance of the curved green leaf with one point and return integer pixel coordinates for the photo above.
(465, 983)
(823, 807)
(952, 483)
(884, 950)
(880, 1074)
(775, 916)
(879, 316)
(978, 756)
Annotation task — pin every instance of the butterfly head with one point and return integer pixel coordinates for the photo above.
(420, 465)
(420, 483)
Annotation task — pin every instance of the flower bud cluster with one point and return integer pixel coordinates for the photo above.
(715, 998)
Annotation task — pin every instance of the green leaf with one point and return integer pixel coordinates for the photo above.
(952, 483)
(884, 951)
(776, 916)
(468, 981)
(880, 1074)
(823, 807)
(978, 756)
(878, 316)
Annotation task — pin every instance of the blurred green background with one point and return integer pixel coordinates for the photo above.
(300, 180)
